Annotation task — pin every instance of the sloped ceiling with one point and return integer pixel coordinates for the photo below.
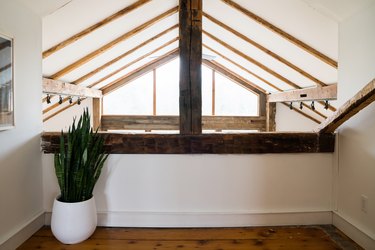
(295, 17)
(44, 7)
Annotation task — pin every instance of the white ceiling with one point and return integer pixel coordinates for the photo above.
(339, 10)
(44, 7)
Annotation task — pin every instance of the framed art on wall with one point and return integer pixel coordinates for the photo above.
(6, 83)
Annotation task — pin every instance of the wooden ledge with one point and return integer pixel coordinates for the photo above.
(253, 143)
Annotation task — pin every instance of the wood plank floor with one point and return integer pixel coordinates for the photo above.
(264, 238)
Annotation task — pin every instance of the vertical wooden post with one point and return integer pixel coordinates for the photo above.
(190, 18)
(97, 107)
(263, 109)
(271, 116)
(213, 93)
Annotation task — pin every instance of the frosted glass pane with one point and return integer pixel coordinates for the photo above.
(135, 98)
(232, 99)
(206, 91)
(167, 88)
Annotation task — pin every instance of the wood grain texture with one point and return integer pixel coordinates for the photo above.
(190, 19)
(265, 50)
(144, 122)
(282, 33)
(247, 238)
(94, 27)
(123, 55)
(358, 102)
(113, 43)
(97, 111)
(63, 88)
(251, 143)
(307, 94)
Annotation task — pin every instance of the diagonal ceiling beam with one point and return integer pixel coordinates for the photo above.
(140, 71)
(265, 50)
(233, 76)
(282, 33)
(94, 27)
(133, 62)
(130, 51)
(111, 44)
(255, 62)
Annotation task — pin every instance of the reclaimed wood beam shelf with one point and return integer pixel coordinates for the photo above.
(251, 143)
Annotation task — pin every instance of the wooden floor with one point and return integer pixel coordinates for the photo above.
(265, 238)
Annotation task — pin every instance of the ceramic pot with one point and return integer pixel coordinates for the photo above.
(75, 222)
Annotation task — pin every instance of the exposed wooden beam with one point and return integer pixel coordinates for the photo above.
(270, 117)
(190, 19)
(5, 44)
(260, 65)
(140, 71)
(113, 43)
(130, 51)
(358, 102)
(307, 94)
(264, 49)
(97, 111)
(254, 143)
(139, 122)
(61, 110)
(94, 27)
(252, 60)
(63, 88)
(233, 76)
(282, 33)
(5, 67)
(131, 63)
(242, 67)
(303, 114)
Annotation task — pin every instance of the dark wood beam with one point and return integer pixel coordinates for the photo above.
(253, 143)
(141, 122)
(190, 17)
(94, 27)
(358, 102)
(282, 33)
(63, 88)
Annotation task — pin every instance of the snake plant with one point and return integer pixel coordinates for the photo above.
(79, 162)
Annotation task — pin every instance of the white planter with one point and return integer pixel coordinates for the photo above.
(72, 223)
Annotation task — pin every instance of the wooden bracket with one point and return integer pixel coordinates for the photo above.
(308, 94)
(62, 88)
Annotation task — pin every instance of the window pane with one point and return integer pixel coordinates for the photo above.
(206, 91)
(232, 99)
(135, 98)
(167, 88)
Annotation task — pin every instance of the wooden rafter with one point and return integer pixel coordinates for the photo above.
(61, 110)
(233, 76)
(242, 68)
(358, 102)
(130, 51)
(252, 143)
(258, 64)
(5, 67)
(282, 33)
(63, 88)
(190, 48)
(111, 44)
(141, 122)
(304, 114)
(53, 106)
(94, 27)
(265, 50)
(140, 71)
(307, 94)
(5, 44)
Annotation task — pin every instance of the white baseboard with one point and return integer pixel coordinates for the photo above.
(359, 236)
(157, 219)
(23, 233)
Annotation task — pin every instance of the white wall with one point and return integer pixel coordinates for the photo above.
(20, 156)
(356, 152)
(289, 120)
